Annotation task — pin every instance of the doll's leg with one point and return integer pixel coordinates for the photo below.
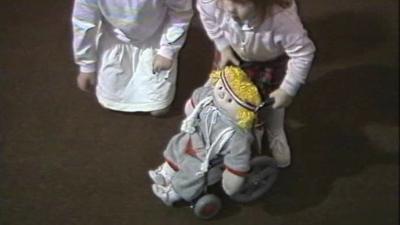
(166, 193)
(274, 120)
(162, 175)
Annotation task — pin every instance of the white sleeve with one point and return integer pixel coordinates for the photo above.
(180, 13)
(297, 45)
(207, 11)
(85, 20)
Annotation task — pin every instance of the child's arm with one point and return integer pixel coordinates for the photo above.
(208, 10)
(180, 13)
(291, 35)
(85, 20)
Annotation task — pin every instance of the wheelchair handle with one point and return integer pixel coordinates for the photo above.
(267, 103)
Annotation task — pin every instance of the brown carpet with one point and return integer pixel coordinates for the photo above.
(65, 160)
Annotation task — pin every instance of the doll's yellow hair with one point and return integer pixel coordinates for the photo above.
(242, 86)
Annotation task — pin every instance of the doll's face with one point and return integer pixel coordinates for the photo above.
(239, 10)
(224, 100)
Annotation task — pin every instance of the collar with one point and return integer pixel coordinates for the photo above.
(247, 25)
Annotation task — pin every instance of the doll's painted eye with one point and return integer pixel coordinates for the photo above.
(229, 100)
(220, 88)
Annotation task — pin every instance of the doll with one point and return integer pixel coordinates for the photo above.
(218, 124)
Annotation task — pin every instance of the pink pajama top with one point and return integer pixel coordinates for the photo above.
(279, 34)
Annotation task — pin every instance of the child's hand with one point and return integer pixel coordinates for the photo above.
(231, 183)
(86, 81)
(228, 56)
(161, 63)
(282, 99)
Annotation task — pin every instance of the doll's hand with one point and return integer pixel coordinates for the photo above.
(188, 107)
(161, 63)
(228, 56)
(231, 183)
(282, 98)
(86, 81)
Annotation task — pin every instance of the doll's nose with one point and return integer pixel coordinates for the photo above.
(221, 95)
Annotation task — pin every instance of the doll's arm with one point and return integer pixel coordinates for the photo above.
(197, 95)
(180, 13)
(85, 20)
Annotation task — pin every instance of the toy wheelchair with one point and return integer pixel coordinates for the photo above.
(260, 179)
(262, 175)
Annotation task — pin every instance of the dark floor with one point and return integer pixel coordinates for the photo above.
(65, 160)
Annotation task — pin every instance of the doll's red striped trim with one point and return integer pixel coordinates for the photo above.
(192, 103)
(236, 172)
(190, 150)
(172, 164)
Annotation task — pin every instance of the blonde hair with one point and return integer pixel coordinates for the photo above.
(242, 86)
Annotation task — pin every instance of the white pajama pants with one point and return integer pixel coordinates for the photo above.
(274, 120)
(273, 126)
(125, 79)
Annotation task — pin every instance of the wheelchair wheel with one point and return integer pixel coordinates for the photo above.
(207, 206)
(263, 174)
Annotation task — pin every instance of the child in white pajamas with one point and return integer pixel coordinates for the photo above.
(268, 40)
(128, 49)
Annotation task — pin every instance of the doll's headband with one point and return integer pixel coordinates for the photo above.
(244, 104)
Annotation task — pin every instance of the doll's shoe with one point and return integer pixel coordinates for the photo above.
(162, 175)
(279, 148)
(160, 112)
(166, 194)
(157, 177)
